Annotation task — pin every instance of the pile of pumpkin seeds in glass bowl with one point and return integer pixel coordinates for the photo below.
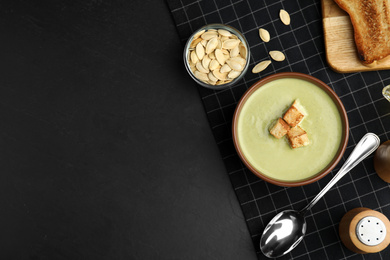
(216, 56)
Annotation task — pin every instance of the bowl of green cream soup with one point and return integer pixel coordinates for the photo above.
(274, 160)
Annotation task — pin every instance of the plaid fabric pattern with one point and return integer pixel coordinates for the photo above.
(303, 43)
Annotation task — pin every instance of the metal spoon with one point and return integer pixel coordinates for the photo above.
(284, 232)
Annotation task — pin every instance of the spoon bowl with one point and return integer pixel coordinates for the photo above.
(287, 229)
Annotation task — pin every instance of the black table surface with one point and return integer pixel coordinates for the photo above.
(106, 151)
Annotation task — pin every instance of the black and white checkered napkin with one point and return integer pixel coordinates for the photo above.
(303, 43)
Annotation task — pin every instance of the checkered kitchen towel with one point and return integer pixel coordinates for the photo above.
(303, 43)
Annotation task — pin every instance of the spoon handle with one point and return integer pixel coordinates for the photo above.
(367, 145)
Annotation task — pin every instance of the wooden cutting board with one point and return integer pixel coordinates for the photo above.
(341, 52)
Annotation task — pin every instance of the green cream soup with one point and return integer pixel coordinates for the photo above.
(274, 157)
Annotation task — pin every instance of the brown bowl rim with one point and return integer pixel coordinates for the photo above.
(333, 96)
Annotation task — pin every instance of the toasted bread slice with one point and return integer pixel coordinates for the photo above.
(279, 129)
(371, 24)
(297, 137)
(294, 115)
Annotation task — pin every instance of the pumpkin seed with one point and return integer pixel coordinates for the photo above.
(213, 65)
(264, 35)
(219, 46)
(284, 17)
(212, 55)
(208, 35)
(224, 32)
(220, 56)
(277, 55)
(225, 68)
(212, 78)
(234, 52)
(211, 45)
(199, 51)
(194, 57)
(206, 62)
(195, 42)
(235, 65)
(193, 68)
(230, 44)
(201, 68)
(219, 75)
(226, 53)
(240, 60)
(224, 38)
(201, 76)
(234, 74)
(198, 34)
(243, 50)
(261, 66)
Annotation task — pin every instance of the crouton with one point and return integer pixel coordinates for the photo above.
(280, 128)
(294, 115)
(297, 137)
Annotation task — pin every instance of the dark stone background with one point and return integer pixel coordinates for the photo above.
(106, 152)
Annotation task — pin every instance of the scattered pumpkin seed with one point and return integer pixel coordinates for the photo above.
(284, 17)
(277, 55)
(264, 35)
(261, 66)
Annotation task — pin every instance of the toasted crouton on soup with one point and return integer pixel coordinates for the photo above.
(297, 137)
(295, 114)
(280, 128)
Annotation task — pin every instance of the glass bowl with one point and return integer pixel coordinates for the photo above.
(188, 49)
